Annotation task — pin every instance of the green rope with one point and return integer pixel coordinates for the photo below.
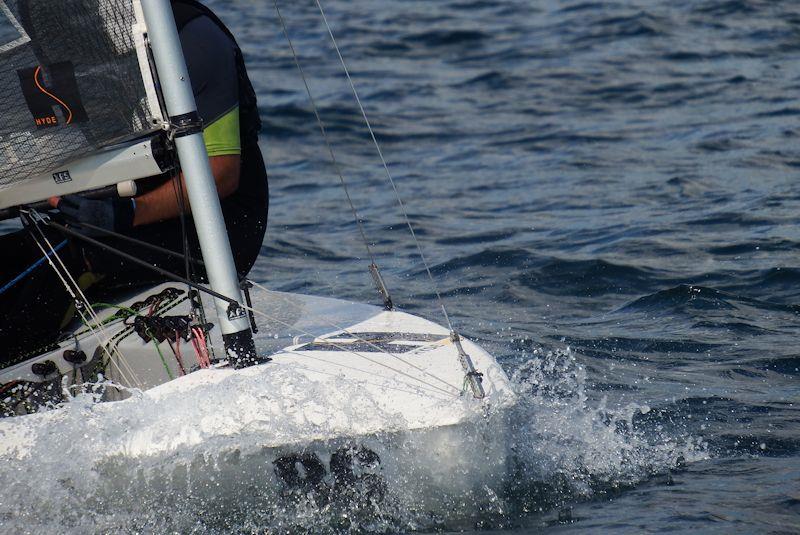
(108, 320)
(160, 354)
(147, 331)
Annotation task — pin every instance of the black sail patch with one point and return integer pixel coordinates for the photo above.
(52, 95)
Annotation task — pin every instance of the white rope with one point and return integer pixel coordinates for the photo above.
(344, 348)
(35, 217)
(132, 379)
(386, 168)
(344, 331)
(382, 386)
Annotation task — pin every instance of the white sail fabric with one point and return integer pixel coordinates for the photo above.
(74, 78)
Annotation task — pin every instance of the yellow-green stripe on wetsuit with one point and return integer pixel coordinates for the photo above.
(223, 137)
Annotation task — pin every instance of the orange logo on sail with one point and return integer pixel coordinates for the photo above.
(52, 94)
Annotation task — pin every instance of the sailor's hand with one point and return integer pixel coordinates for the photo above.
(115, 215)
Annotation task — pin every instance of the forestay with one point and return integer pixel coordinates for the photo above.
(74, 78)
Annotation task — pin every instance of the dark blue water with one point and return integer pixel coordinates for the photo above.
(608, 196)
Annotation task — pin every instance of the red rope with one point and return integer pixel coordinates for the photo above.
(178, 355)
(8, 386)
(201, 347)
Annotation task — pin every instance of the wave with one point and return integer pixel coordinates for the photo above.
(587, 278)
(615, 28)
(629, 348)
(725, 8)
(446, 38)
(682, 297)
(788, 365)
(491, 80)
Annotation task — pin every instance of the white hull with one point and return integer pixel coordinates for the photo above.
(320, 394)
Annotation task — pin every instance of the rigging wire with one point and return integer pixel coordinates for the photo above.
(344, 331)
(324, 132)
(472, 375)
(344, 348)
(178, 190)
(71, 285)
(140, 262)
(385, 167)
(306, 356)
(84, 304)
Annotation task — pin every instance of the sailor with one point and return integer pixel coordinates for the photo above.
(33, 310)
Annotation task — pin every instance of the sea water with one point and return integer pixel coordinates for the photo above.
(607, 194)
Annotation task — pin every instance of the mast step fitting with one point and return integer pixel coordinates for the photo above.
(235, 311)
(241, 350)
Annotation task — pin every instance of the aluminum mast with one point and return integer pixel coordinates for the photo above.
(201, 188)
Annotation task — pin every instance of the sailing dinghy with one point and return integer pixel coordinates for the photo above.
(183, 337)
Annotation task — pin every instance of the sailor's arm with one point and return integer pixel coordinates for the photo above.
(224, 148)
(162, 203)
(159, 204)
(223, 145)
(211, 61)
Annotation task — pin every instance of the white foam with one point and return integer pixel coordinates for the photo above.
(562, 436)
(199, 457)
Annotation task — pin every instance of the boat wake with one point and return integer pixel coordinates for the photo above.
(218, 458)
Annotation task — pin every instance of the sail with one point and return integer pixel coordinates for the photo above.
(74, 78)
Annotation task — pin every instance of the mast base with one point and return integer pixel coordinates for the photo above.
(241, 350)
